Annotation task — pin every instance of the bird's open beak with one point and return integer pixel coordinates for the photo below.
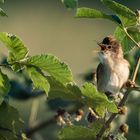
(102, 46)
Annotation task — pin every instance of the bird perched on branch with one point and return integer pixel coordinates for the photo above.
(113, 70)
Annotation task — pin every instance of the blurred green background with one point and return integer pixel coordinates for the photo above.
(46, 26)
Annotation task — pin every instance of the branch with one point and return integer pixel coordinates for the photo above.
(112, 117)
(137, 88)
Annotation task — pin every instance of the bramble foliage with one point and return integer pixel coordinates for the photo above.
(127, 33)
(48, 73)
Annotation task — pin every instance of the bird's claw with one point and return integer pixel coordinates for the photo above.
(130, 83)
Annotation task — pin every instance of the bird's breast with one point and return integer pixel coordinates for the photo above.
(112, 77)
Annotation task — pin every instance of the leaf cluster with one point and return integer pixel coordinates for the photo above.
(51, 75)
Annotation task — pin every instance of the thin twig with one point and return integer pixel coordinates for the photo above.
(136, 70)
(130, 37)
(137, 88)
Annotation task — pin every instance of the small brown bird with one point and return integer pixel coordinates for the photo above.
(113, 70)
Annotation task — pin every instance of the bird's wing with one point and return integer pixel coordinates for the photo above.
(100, 74)
(99, 71)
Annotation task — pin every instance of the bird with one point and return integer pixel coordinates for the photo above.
(113, 70)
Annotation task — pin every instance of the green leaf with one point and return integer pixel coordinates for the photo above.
(127, 16)
(125, 41)
(76, 133)
(72, 4)
(2, 1)
(53, 66)
(2, 13)
(97, 100)
(119, 34)
(10, 122)
(87, 95)
(96, 126)
(135, 35)
(17, 50)
(38, 79)
(120, 136)
(4, 84)
(17, 66)
(59, 90)
(84, 12)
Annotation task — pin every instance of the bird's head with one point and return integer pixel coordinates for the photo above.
(110, 48)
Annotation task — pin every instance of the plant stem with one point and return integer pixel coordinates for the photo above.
(136, 70)
(129, 36)
(138, 62)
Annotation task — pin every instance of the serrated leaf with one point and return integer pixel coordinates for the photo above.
(127, 16)
(4, 84)
(2, 13)
(39, 81)
(87, 95)
(17, 67)
(97, 100)
(125, 41)
(72, 4)
(53, 66)
(85, 12)
(76, 133)
(10, 123)
(59, 90)
(17, 50)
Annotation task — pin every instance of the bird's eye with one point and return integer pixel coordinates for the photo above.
(109, 47)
